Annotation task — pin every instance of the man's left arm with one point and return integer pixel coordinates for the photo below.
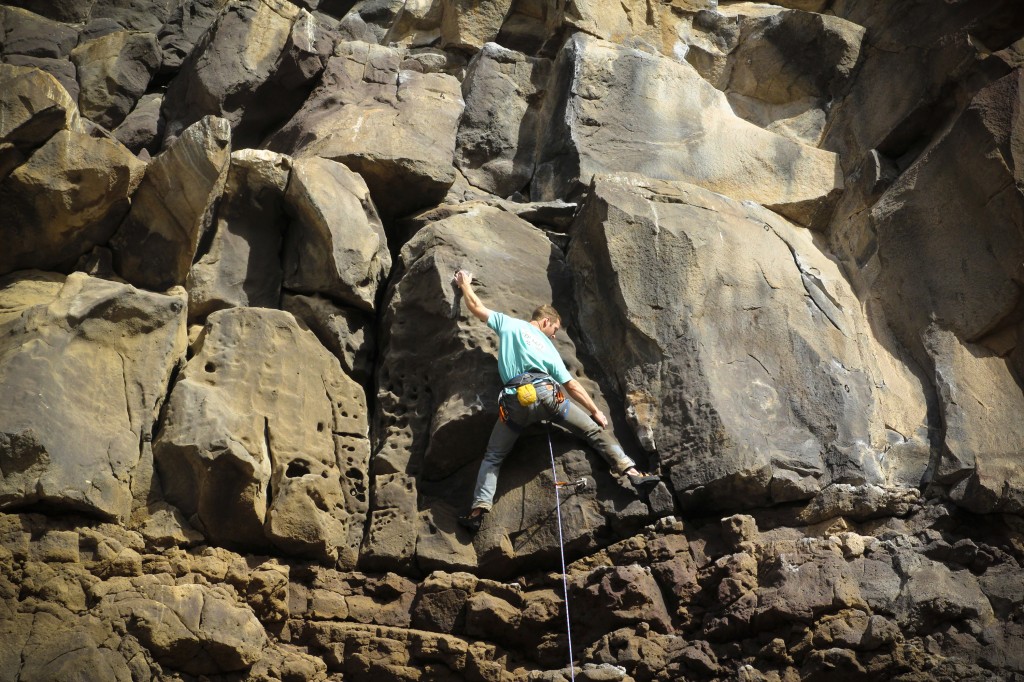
(580, 395)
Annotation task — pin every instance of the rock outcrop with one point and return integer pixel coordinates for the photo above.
(242, 404)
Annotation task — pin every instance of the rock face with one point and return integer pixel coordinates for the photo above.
(81, 392)
(683, 273)
(290, 445)
(242, 404)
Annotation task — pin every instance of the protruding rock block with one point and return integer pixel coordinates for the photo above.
(336, 244)
(114, 72)
(394, 126)
(742, 354)
(616, 109)
(157, 242)
(241, 264)
(84, 367)
(265, 439)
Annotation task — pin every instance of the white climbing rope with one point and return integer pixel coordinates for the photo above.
(561, 550)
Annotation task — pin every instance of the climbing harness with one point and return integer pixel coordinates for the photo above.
(578, 485)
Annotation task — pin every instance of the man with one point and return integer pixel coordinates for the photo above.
(534, 376)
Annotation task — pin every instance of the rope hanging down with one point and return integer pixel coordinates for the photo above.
(561, 547)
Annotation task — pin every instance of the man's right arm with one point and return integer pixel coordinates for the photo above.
(580, 395)
(464, 280)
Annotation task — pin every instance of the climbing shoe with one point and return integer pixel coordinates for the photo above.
(471, 522)
(644, 480)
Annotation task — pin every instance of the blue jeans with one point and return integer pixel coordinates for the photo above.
(503, 437)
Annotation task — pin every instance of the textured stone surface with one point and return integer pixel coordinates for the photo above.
(84, 365)
(604, 94)
(113, 73)
(157, 242)
(404, 122)
(241, 262)
(264, 411)
(734, 415)
(336, 244)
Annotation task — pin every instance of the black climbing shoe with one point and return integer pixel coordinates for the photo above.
(471, 522)
(644, 481)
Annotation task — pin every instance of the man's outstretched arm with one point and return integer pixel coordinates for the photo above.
(580, 395)
(464, 280)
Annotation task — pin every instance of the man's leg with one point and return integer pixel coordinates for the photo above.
(580, 423)
(503, 437)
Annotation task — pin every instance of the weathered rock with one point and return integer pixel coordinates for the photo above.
(85, 366)
(417, 23)
(468, 24)
(30, 35)
(602, 94)
(143, 127)
(435, 417)
(68, 11)
(58, 645)
(607, 599)
(148, 16)
(67, 198)
(363, 89)
(241, 264)
(197, 629)
(368, 21)
(186, 24)
(345, 332)
(62, 70)
(265, 439)
(498, 130)
(788, 68)
(738, 417)
(33, 107)
(981, 404)
(336, 244)
(254, 47)
(114, 72)
(157, 242)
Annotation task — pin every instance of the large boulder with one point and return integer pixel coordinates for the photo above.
(265, 440)
(498, 131)
(186, 24)
(31, 35)
(743, 355)
(114, 72)
(255, 47)
(241, 265)
(616, 109)
(157, 241)
(196, 629)
(33, 107)
(437, 388)
(336, 244)
(84, 367)
(69, 196)
(392, 124)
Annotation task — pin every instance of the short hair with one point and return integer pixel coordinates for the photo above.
(547, 311)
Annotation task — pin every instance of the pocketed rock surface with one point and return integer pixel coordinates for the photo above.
(242, 404)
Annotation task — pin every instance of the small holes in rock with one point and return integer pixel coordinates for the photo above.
(320, 427)
(210, 367)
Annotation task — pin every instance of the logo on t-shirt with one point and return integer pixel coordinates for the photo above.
(533, 342)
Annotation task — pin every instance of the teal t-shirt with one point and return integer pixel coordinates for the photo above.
(522, 347)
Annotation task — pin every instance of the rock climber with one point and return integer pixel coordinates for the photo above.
(536, 382)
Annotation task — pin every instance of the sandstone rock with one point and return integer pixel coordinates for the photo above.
(822, 368)
(185, 25)
(435, 416)
(114, 72)
(368, 21)
(441, 601)
(31, 35)
(241, 264)
(363, 89)
(34, 107)
(193, 628)
(68, 197)
(345, 332)
(607, 599)
(417, 23)
(596, 103)
(61, 646)
(71, 433)
(134, 15)
(981, 402)
(498, 130)
(336, 244)
(68, 11)
(62, 70)
(263, 411)
(254, 47)
(157, 242)
(143, 127)
(468, 24)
